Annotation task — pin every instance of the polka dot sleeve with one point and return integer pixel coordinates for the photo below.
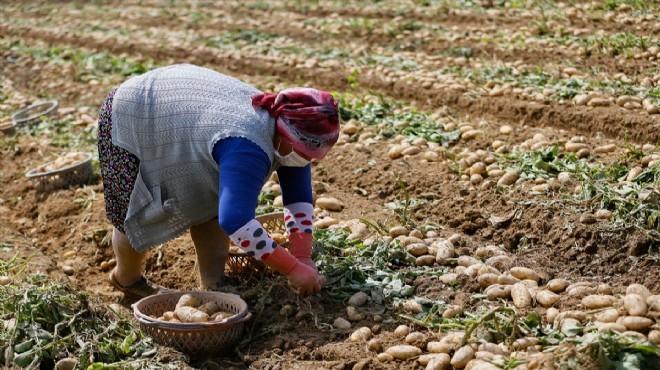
(254, 240)
(299, 217)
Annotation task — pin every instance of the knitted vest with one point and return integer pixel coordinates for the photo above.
(171, 118)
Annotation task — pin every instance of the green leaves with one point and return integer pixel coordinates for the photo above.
(44, 321)
(382, 268)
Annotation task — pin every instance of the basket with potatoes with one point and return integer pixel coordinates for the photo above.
(239, 263)
(69, 169)
(196, 323)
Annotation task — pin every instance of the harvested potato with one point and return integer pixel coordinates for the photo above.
(191, 314)
(187, 300)
(635, 305)
(462, 356)
(220, 315)
(361, 335)
(596, 301)
(209, 308)
(404, 351)
(168, 315)
(64, 161)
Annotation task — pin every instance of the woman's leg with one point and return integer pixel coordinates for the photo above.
(130, 263)
(212, 248)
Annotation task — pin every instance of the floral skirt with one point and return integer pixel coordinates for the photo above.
(119, 169)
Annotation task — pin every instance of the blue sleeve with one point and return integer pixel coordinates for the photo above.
(243, 170)
(296, 184)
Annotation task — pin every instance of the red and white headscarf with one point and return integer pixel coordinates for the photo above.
(306, 118)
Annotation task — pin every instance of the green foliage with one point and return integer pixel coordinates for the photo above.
(383, 269)
(634, 204)
(45, 321)
(392, 119)
(86, 65)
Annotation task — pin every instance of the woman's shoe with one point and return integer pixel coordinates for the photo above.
(139, 289)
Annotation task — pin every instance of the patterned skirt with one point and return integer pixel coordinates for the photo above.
(119, 169)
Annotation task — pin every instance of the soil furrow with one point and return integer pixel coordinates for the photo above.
(607, 120)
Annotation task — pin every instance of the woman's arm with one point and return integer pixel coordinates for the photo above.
(243, 170)
(296, 185)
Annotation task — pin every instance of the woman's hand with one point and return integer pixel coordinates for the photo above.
(301, 276)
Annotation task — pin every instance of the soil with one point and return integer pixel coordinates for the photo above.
(545, 234)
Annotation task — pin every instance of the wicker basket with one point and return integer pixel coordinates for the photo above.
(198, 340)
(34, 112)
(240, 263)
(77, 173)
(8, 128)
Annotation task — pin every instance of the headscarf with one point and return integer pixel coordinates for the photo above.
(306, 118)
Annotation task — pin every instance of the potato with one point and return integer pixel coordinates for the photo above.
(551, 314)
(190, 314)
(604, 327)
(402, 330)
(375, 345)
(330, 204)
(168, 315)
(635, 305)
(439, 347)
(426, 358)
(654, 336)
(415, 337)
(467, 261)
(495, 292)
(508, 178)
(439, 362)
(361, 335)
(412, 306)
(445, 250)
(635, 323)
(220, 315)
(487, 280)
(209, 308)
(557, 285)
(341, 323)
(653, 302)
(385, 357)
(523, 343)
(507, 279)
(452, 312)
(5, 280)
(596, 301)
(524, 273)
(491, 347)
(609, 315)
(638, 289)
(520, 296)
(358, 299)
(187, 300)
(580, 291)
(404, 351)
(546, 298)
(462, 356)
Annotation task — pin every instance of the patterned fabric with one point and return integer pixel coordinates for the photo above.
(254, 240)
(171, 118)
(308, 119)
(299, 217)
(119, 168)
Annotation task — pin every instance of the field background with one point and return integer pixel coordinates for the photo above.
(427, 89)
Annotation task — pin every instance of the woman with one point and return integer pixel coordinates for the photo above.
(184, 147)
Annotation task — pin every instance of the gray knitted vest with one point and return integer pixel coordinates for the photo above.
(171, 118)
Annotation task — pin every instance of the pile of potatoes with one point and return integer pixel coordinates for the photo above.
(64, 161)
(591, 307)
(188, 310)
